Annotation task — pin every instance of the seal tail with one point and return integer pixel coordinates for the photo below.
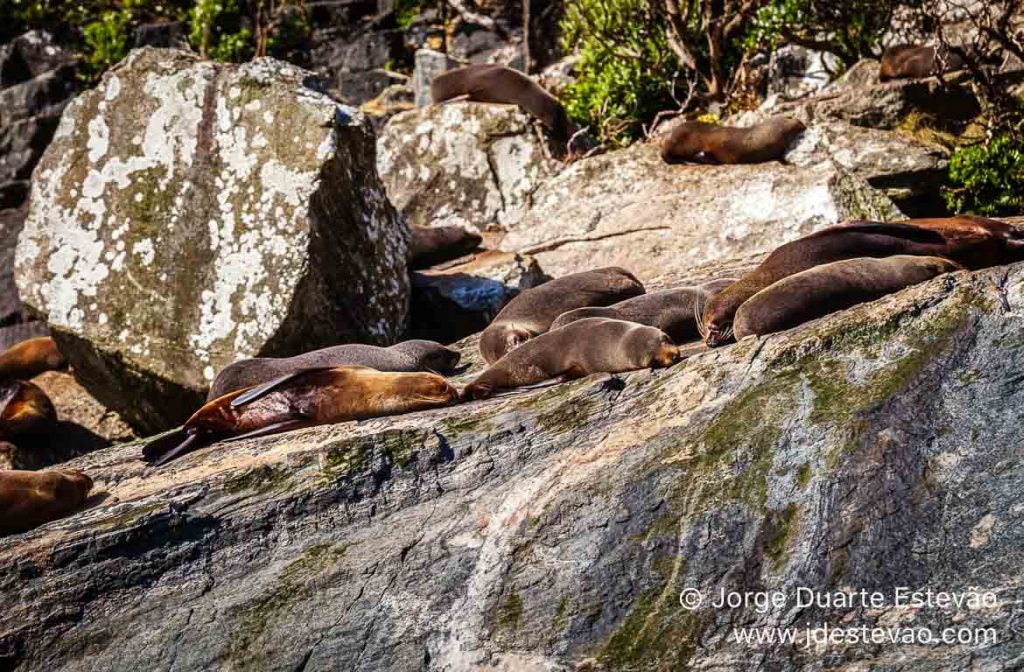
(163, 449)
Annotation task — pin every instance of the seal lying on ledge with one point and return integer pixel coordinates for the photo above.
(829, 288)
(911, 61)
(969, 241)
(494, 83)
(408, 356)
(533, 310)
(30, 358)
(437, 244)
(24, 409)
(29, 499)
(675, 311)
(318, 396)
(698, 142)
(590, 345)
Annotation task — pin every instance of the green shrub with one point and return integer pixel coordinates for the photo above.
(106, 40)
(988, 178)
(625, 69)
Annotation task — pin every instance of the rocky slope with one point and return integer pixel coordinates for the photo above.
(556, 528)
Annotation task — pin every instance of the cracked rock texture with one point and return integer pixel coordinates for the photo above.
(470, 164)
(628, 208)
(189, 213)
(554, 529)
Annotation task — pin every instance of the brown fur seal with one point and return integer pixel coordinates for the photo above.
(493, 83)
(24, 409)
(829, 288)
(408, 356)
(437, 244)
(675, 311)
(533, 310)
(976, 242)
(318, 396)
(911, 61)
(591, 345)
(30, 358)
(29, 499)
(698, 142)
(858, 239)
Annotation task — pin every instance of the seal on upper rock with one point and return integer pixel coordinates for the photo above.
(30, 358)
(408, 356)
(912, 61)
(318, 396)
(590, 345)
(677, 311)
(699, 142)
(24, 409)
(832, 287)
(494, 83)
(972, 246)
(532, 311)
(29, 499)
(438, 244)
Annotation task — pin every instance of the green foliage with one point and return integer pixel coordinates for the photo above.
(406, 12)
(106, 40)
(988, 178)
(625, 70)
(217, 30)
(851, 29)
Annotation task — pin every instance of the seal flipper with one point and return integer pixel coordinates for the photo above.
(162, 450)
(706, 158)
(908, 231)
(263, 389)
(275, 428)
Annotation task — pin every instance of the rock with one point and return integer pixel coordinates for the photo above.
(362, 73)
(628, 208)
(556, 528)
(13, 334)
(469, 164)
(795, 71)
(188, 214)
(11, 222)
(429, 64)
(392, 100)
(456, 300)
(908, 171)
(28, 56)
(165, 34)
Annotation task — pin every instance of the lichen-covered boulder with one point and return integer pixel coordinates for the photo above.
(556, 529)
(629, 208)
(463, 163)
(189, 213)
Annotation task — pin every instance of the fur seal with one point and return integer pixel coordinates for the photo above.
(832, 287)
(494, 83)
(436, 244)
(408, 356)
(964, 241)
(590, 345)
(315, 396)
(533, 310)
(911, 61)
(30, 358)
(29, 499)
(699, 142)
(675, 311)
(24, 409)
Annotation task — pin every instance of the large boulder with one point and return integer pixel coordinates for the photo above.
(463, 163)
(557, 528)
(189, 213)
(629, 208)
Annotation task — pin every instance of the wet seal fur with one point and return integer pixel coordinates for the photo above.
(832, 287)
(29, 499)
(590, 345)
(437, 244)
(911, 61)
(24, 409)
(699, 142)
(408, 357)
(494, 83)
(30, 358)
(531, 312)
(677, 311)
(317, 396)
(973, 242)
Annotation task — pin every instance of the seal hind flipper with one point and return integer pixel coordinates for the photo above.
(163, 449)
(706, 158)
(908, 231)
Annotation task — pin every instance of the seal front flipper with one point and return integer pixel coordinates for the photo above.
(275, 428)
(260, 391)
(163, 449)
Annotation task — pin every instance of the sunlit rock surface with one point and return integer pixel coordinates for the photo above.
(189, 213)
(555, 528)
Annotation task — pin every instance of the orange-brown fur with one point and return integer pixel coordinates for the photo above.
(698, 142)
(30, 358)
(29, 499)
